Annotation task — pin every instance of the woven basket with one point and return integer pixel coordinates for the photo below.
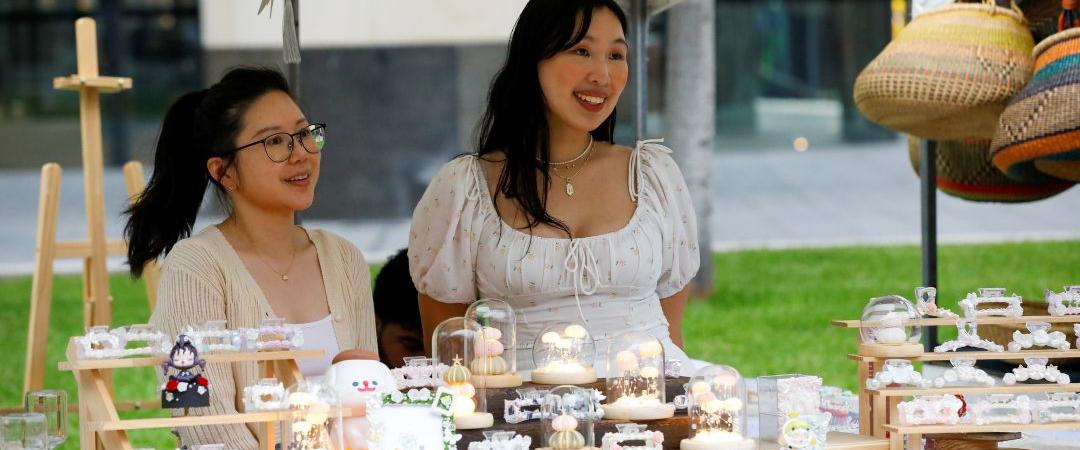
(964, 170)
(1039, 132)
(949, 73)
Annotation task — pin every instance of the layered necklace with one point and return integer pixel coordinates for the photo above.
(569, 169)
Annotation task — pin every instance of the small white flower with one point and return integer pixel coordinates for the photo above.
(425, 395)
(396, 396)
(201, 390)
(182, 387)
(168, 396)
(414, 394)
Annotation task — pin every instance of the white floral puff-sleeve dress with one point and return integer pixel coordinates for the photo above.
(460, 250)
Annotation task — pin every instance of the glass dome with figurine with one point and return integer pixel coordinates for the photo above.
(716, 397)
(635, 379)
(891, 332)
(313, 407)
(495, 363)
(568, 419)
(453, 343)
(564, 354)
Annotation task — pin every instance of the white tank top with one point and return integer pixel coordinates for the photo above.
(318, 335)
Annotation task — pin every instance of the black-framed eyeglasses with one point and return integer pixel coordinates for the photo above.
(279, 146)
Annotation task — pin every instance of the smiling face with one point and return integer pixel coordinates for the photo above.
(582, 84)
(254, 179)
(365, 386)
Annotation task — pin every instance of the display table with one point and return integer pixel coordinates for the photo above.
(846, 441)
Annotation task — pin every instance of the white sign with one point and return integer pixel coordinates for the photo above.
(234, 24)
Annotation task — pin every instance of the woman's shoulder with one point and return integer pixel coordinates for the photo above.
(204, 247)
(458, 169)
(339, 246)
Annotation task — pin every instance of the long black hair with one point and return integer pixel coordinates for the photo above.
(199, 125)
(515, 121)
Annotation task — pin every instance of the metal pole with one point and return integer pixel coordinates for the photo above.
(639, 26)
(294, 69)
(928, 202)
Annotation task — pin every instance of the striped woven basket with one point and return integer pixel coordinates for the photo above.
(964, 170)
(949, 73)
(1039, 132)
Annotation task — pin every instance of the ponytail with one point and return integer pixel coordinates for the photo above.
(198, 126)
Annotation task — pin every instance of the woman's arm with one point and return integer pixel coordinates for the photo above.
(674, 307)
(432, 313)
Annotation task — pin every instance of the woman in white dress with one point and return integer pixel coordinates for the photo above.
(550, 215)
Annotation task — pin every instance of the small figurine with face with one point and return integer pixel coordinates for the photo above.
(187, 388)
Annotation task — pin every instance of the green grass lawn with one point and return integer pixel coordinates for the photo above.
(770, 313)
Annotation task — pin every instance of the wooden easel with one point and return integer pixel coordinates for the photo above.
(97, 304)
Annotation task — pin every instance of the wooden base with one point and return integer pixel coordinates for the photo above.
(690, 444)
(970, 441)
(474, 421)
(654, 412)
(891, 350)
(584, 377)
(506, 380)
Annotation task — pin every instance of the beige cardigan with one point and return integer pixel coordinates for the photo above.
(204, 279)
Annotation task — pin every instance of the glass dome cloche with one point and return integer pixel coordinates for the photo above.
(453, 343)
(635, 387)
(313, 407)
(564, 354)
(716, 397)
(495, 364)
(568, 419)
(891, 332)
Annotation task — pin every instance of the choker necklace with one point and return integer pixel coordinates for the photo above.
(569, 186)
(571, 161)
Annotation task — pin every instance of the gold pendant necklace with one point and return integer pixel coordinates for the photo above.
(569, 187)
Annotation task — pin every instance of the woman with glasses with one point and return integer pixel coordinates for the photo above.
(247, 137)
(550, 215)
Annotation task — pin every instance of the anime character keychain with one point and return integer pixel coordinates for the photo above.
(187, 388)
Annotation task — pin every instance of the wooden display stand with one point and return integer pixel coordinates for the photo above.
(98, 418)
(878, 415)
(97, 304)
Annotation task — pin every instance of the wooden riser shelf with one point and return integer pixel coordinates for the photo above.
(972, 428)
(125, 363)
(197, 421)
(978, 390)
(934, 322)
(934, 356)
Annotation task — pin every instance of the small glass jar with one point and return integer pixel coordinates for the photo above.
(635, 379)
(454, 343)
(495, 363)
(717, 409)
(564, 354)
(568, 419)
(267, 394)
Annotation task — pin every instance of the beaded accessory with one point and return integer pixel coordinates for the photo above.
(931, 410)
(1039, 335)
(1002, 408)
(968, 336)
(971, 303)
(653, 440)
